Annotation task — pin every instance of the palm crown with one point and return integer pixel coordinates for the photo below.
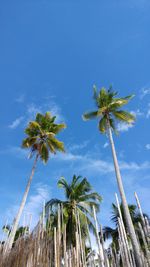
(79, 199)
(41, 136)
(109, 105)
(113, 232)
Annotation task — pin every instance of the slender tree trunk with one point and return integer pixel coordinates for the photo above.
(130, 226)
(17, 219)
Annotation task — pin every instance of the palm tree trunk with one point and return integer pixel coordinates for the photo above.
(130, 226)
(17, 219)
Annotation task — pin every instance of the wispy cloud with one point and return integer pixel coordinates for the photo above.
(76, 147)
(33, 108)
(144, 92)
(16, 123)
(147, 146)
(124, 127)
(16, 151)
(137, 113)
(106, 145)
(51, 106)
(20, 99)
(148, 111)
(33, 206)
(91, 163)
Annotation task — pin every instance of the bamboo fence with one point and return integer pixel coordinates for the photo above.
(46, 248)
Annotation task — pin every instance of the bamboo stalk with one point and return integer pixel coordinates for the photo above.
(101, 255)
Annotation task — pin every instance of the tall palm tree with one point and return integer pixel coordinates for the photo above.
(79, 199)
(108, 112)
(41, 140)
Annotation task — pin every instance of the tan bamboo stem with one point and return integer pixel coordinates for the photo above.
(100, 250)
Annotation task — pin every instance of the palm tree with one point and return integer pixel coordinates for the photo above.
(21, 231)
(113, 232)
(41, 139)
(79, 200)
(108, 111)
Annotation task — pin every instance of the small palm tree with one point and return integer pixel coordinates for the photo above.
(41, 140)
(108, 112)
(112, 233)
(21, 231)
(79, 200)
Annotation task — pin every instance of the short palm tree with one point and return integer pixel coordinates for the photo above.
(80, 199)
(21, 231)
(108, 112)
(41, 140)
(112, 233)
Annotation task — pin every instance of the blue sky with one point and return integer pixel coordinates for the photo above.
(51, 54)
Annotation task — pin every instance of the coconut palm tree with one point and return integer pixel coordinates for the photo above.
(113, 232)
(41, 140)
(21, 231)
(79, 200)
(108, 112)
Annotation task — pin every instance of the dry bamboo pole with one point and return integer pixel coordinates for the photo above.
(128, 254)
(100, 250)
(121, 250)
(148, 230)
(55, 247)
(80, 240)
(139, 207)
(77, 249)
(58, 236)
(102, 241)
(145, 229)
(145, 244)
(112, 264)
(90, 243)
(128, 264)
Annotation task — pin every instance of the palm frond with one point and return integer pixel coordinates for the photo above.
(124, 116)
(103, 124)
(44, 153)
(90, 115)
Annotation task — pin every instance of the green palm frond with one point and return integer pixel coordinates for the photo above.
(59, 127)
(108, 109)
(57, 144)
(29, 142)
(124, 116)
(80, 199)
(94, 196)
(90, 115)
(103, 124)
(41, 136)
(44, 153)
(75, 179)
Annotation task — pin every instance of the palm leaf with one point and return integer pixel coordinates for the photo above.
(124, 116)
(90, 115)
(103, 124)
(44, 154)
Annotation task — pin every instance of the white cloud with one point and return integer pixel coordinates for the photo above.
(91, 164)
(148, 111)
(124, 127)
(106, 145)
(78, 146)
(16, 123)
(20, 99)
(37, 201)
(50, 106)
(33, 206)
(137, 113)
(144, 91)
(147, 146)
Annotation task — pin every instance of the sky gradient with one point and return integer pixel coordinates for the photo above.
(51, 55)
